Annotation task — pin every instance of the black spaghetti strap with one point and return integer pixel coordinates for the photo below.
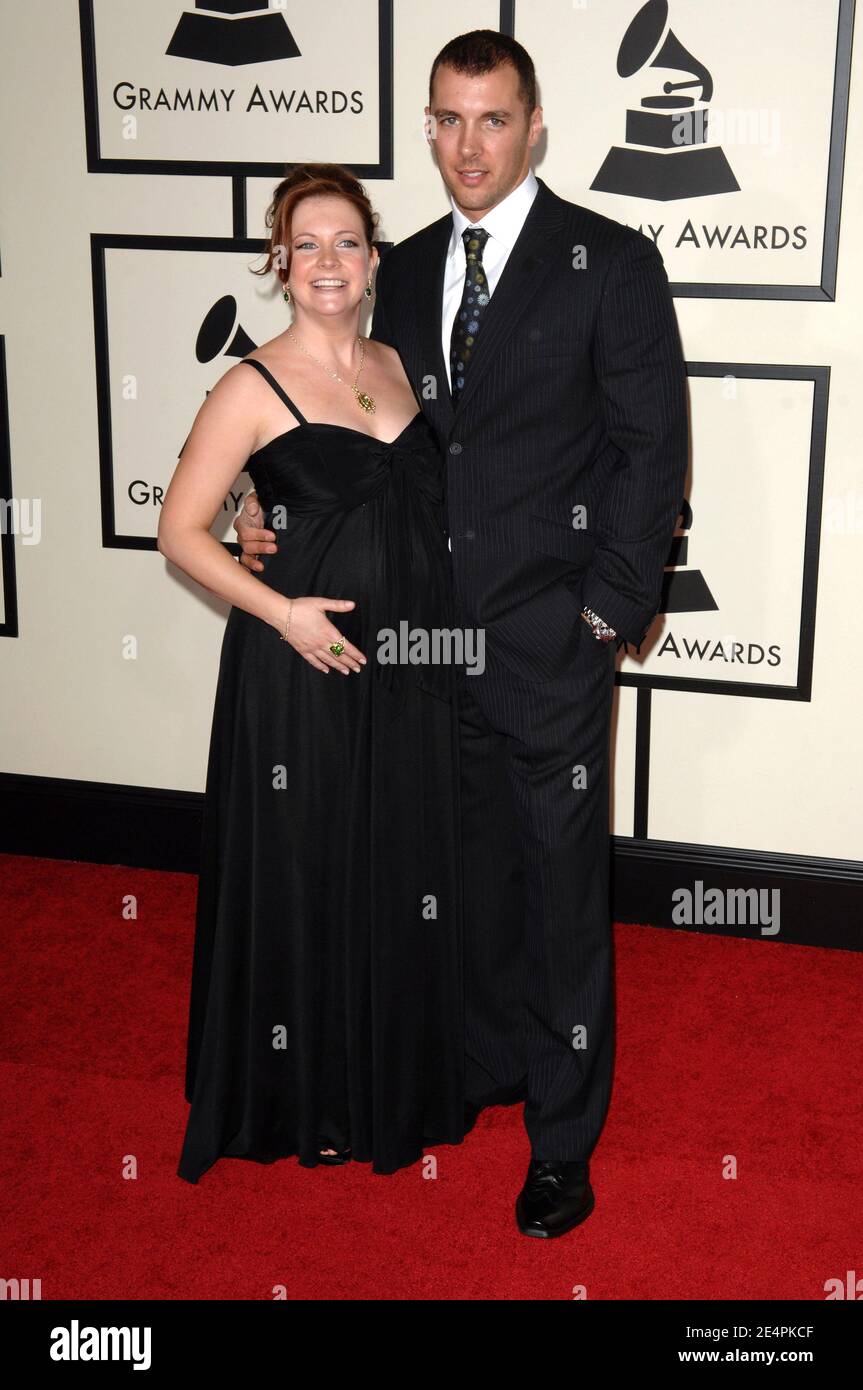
(267, 374)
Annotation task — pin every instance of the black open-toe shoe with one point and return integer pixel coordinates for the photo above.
(342, 1156)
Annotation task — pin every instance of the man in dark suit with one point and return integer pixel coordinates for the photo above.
(542, 341)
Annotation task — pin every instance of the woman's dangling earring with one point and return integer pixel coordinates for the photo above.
(286, 295)
(368, 289)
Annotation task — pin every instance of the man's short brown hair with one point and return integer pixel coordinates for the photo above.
(483, 50)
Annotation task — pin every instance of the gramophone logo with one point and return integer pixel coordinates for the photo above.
(221, 333)
(666, 155)
(233, 32)
(684, 590)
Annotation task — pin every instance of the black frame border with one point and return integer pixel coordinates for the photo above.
(100, 242)
(825, 290)
(802, 689)
(9, 624)
(97, 164)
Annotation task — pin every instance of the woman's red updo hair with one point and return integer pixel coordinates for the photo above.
(306, 181)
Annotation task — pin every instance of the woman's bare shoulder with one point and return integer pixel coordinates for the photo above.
(382, 353)
(273, 350)
(270, 355)
(240, 387)
(237, 379)
(385, 360)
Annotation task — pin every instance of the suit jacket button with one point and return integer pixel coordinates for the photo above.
(455, 448)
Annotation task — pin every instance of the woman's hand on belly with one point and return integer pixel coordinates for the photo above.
(310, 633)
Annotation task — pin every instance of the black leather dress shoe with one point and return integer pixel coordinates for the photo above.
(556, 1196)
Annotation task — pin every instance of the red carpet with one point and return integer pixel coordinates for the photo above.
(725, 1047)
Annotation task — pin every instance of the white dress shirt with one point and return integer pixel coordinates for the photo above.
(503, 224)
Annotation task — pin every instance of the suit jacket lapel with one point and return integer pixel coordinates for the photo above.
(429, 290)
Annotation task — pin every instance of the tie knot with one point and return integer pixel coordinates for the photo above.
(474, 239)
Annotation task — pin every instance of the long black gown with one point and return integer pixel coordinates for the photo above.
(326, 997)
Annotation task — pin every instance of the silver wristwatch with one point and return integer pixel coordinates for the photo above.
(601, 631)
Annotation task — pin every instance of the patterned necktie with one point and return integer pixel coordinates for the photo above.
(474, 299)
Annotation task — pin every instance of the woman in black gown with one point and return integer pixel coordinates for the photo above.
(326, 1001)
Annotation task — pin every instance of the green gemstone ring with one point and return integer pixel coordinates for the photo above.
(337, 648)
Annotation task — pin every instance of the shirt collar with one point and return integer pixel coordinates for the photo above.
(504, 221)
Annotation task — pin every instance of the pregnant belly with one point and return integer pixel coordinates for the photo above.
(349, 556)
(329, 557)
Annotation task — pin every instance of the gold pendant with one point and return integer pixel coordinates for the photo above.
(365, 401)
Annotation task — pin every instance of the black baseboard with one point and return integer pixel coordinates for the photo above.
(100, 822)
(821, 900)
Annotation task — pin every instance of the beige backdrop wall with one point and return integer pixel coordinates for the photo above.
(775, 774)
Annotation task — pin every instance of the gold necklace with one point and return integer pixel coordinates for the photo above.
(364, 400)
